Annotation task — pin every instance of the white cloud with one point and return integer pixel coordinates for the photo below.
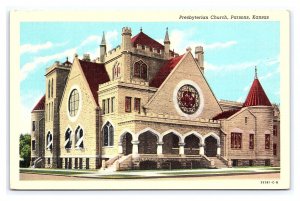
(243, 65)
(240, 99)
(180, 40)
(269, 74)
(33, 48)
(29, 48)
(247, 88)
(220, 45)
(37, 62)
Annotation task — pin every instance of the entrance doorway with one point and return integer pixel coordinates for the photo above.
(126, 144)
(211, 146)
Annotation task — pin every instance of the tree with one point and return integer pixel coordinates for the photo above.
(25, 150)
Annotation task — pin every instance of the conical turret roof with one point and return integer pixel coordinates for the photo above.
(257, 95)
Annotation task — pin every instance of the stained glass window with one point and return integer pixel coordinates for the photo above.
(267, 141)
(188, 99)
(140, 70)
(236, 140)
(108, 135)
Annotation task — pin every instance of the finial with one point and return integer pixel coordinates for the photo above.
(103, 42)
(67, 58)
(255, 76)
(141, 29)
(167, 40)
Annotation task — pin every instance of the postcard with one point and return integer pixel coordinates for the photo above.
(132, 100)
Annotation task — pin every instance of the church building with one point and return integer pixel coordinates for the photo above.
(143, 106)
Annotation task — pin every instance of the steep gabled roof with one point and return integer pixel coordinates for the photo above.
(164, 71)
(225, 114)
(95, 74)
(144, 39)
(256, 95)
(40, 105)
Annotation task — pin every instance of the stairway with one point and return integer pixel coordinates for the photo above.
(119, 163)
(218, 163)
(37, 163)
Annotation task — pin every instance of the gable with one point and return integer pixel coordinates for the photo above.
(95, 74)
(84, 76)
(186, 71)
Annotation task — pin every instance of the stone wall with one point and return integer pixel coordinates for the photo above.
(87, 118)
(38, 135)
(187, 69)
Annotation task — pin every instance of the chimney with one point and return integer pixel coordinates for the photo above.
(199, 56)
(126, 38)
(102, 49)
(86, 57)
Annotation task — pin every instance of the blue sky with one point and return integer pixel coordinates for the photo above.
(232, 49)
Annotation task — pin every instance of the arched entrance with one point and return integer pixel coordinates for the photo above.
(170, 144)
(211, 146)
(148, 143)
(191, 146)
(126, 144)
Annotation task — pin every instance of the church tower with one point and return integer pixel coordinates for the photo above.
(258, 103)
(56, 77)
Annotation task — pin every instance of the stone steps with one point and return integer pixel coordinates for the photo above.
(218, 162)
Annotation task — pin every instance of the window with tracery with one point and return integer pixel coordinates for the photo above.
(73, 102)
(140, 70)
(188, 99)
(116, 71)
(236, 140)
(251, 141)
(267, 141)
(68, 139)
(108, 134)
(79, 137)
(49, 141)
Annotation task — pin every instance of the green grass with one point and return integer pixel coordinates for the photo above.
(204, 173)
(55, 171)
(121, 176)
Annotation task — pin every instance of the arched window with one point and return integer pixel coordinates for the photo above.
(79, 138)
(116, 71)
(52, 88)
(108, 135)
(68, 139)
(49, 141)
(140, 70)
(73, 102)
(49, 89)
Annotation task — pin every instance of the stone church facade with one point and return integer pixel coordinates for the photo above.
(143, 106)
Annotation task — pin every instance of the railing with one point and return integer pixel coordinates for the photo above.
(226, 161)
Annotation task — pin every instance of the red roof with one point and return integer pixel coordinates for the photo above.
(164, 71)
(225, 114)
(40, 105)
(95, 74)
(144, 39)
(256, 95)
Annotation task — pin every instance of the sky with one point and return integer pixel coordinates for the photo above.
(231, 52)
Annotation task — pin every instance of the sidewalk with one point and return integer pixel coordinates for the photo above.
(179, 173)
(142, 174)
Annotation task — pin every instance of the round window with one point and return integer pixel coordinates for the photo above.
(73, 102)
(188, 99)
